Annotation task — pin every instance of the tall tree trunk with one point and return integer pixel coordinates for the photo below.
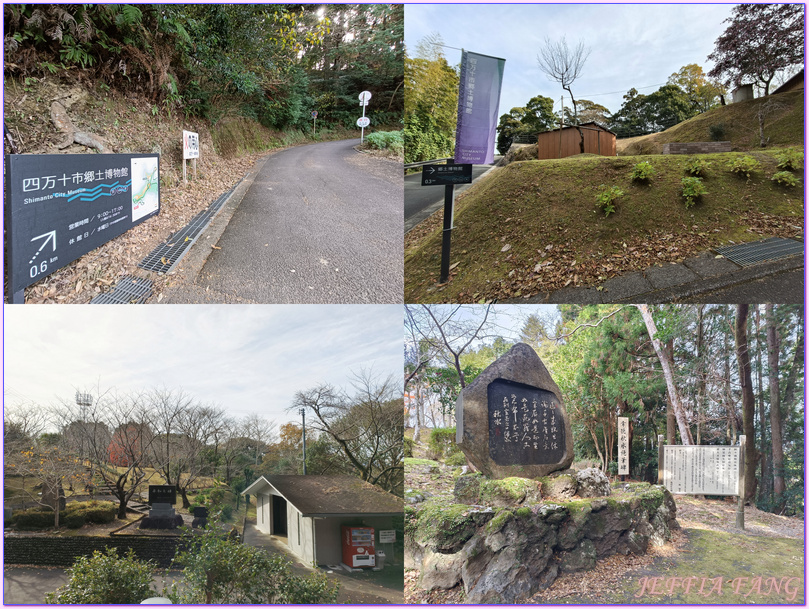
(730, 407)
(667, 363)
(765, 488)
(700, 371)
(748, 400)
(775, 410)
(796, 368)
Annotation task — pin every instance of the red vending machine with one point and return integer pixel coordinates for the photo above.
(358, 547)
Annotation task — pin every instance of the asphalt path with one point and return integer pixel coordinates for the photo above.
(781, 288)
(320, 223)
(423, 201)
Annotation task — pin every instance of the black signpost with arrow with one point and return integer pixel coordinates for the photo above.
(448, 176)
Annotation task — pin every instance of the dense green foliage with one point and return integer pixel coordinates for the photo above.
(697, 166)
(219, 569)
(387, 140)
(744, 166)
(105, 578)
(606, 197)
(431, 104)
(693, 189)
(785, 178)
(75, 514)
(643, 172)
(790, 159)
(535, 117)
(272, 63)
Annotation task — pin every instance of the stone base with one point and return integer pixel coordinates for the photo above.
(506, 555)
(169, 522)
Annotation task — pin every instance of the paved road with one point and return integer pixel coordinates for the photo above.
(423, 201)
(320, 224)
(781, 288)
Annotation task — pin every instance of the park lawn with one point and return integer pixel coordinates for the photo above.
(731, 565)
(533, 227)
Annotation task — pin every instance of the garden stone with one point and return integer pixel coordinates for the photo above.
(581, 558)
(593, 483)
(512, 420)
(440, 571)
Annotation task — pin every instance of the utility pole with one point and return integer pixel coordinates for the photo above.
(303, 415)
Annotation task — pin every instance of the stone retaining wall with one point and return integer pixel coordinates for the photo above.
(695, 147)
(506, 555)
(63, 551)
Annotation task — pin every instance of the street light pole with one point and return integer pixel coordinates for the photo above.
(303, 415)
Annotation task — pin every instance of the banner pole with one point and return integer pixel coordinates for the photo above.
(446, 241)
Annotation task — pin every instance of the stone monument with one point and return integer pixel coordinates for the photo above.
(511, 420)
(161, 513)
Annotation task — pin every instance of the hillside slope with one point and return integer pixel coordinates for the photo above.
(739, 122)
(533, 226)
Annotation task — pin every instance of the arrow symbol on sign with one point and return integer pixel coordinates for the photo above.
(48, 237)
(432, 170)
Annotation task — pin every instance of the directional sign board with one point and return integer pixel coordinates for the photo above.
(442, 175)
(314, 113)
(58, 207)
(363, 121)
(190, 145)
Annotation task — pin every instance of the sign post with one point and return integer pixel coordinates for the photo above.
(363, 122)
(446, 175)
(190, 151)
(314, 121)
(59, 207)
(623, 447)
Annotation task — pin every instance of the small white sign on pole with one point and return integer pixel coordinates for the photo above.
(190, 151)
(363, 122)
(387, 536)
(623, 446)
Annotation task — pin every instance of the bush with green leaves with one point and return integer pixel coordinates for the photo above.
(717, 132)
(442, 442)
(106, 578)
(785, 178)
(606, 198)
(697, 166)
(790, 160)
(386, 140)
(643, 172)
(456, 459)
(95, 512)
(219, 569)
(744, 165)
(693, 189)
(34, 518)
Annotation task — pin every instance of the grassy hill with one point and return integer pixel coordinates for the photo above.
(739, 122)
(533, 226)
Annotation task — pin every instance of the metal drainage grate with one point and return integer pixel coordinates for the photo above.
(166, 255)
(129, 290)
(748, 254)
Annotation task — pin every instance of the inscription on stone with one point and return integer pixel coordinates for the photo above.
(525, 425)
(701, 470)
(162, 493)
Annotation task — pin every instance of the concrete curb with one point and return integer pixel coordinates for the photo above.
(671, 283)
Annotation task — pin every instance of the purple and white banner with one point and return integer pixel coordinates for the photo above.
(478, 104)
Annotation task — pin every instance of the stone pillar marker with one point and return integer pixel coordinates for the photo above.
(511, 420)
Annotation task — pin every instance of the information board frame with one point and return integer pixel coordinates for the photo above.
(52, 221)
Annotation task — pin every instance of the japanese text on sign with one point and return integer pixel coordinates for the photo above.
(525, 424)
(623, 446)
(701, 470)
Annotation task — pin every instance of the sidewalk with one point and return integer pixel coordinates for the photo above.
(688, 281)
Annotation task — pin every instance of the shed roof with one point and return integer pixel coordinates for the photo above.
(331, 495)
(586, 125)
(790, 83)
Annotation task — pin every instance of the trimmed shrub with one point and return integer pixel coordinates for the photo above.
(717, 132)
(408, 447)
(34, 518)
(105, 579)
(386, 140)
(456, 459)
(74, 520)
(605, 200)
(96, 512)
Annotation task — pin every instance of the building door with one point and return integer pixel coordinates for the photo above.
(279, 516)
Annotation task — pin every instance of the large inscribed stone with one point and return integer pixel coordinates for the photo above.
(511, 421)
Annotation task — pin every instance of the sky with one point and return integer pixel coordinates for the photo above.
(245, 358)
(632, 45)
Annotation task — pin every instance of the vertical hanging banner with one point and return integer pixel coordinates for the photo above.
(478, 104)
(623, 446)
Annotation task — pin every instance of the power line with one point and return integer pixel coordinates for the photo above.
(660, 84)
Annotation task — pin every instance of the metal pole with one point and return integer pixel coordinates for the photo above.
(740, 504)
(449, 205)
(660, 445)
(303, 414)
(362, 134)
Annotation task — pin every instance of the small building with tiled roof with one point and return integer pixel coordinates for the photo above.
(308, 512)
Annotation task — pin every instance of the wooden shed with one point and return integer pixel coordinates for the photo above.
(597, 140)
